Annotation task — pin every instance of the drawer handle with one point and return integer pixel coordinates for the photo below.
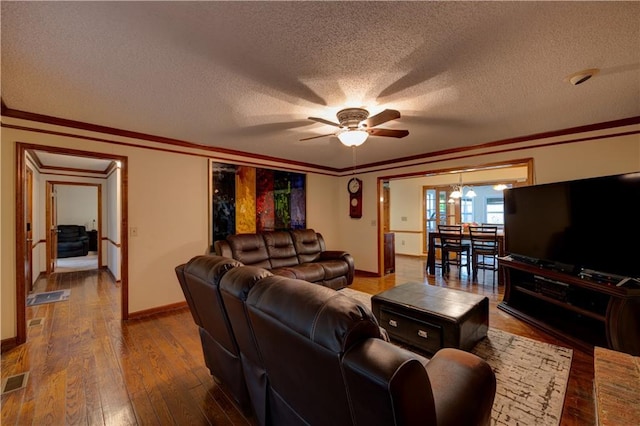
(423, 334)
(393, 323)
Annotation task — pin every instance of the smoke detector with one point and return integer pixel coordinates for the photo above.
(581, 76)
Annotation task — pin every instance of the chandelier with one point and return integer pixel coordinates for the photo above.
(458, 190)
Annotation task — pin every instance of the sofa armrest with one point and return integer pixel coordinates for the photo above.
(340, 255)
(386, 382)
(222, 248)
(463, 386)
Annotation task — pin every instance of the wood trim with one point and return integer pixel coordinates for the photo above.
(21, 151)
(8, 344)
(21, 321)
(260, 159)
(37, 243)
(536, 136)
(24, 115)
(158, 310)
(111, 241)
(257, 163)
(518, 162)
(41, 167)
(99, 203)
(366, 273)
(498, 151)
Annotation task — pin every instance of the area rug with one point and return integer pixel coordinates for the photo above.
(48, 297)
(79, 263)
(531, 376)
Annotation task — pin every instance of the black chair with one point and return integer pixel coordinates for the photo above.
(451, 239)
(484, 249)
(437, 245)
(73, 241)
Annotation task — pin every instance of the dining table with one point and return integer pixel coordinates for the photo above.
(431, 247)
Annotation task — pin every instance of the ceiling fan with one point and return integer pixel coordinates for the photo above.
(356, 125)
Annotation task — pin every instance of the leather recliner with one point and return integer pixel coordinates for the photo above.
(314, 356)
(73, 241)
(199, 280)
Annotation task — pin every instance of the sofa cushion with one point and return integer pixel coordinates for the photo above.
(280, 248)
(312, 272)
(334, 268)
(249, 249)
(308, 245)
(304, 308)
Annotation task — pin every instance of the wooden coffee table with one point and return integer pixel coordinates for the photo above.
(430, 318)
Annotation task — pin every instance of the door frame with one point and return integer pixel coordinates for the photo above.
(21, 151)
(28, 254)
(51, 205)
(528, 162)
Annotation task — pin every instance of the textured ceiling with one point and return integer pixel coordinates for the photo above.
(246, 75)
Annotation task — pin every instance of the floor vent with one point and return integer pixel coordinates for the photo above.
(13, 383)
(35, 322)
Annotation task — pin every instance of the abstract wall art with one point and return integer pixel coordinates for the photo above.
(246, 199)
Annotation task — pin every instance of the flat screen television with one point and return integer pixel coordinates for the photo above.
(580, 226)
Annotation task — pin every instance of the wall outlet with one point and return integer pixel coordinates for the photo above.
(373, 223)
(133, 231)
(402, 242)
(403, 218)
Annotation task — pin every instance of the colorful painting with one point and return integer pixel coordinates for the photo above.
(223, 200)
(245, 200)
(298, 201)
(248, 199)
(265, 208)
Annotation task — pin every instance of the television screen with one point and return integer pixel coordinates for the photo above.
(583, 224)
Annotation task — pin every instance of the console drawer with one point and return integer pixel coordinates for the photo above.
(422, 334)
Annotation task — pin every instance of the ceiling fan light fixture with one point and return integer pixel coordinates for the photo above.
(353, 137)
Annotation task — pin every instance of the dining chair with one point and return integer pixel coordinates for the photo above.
(451, 240)
(484, 249)
(437, 247)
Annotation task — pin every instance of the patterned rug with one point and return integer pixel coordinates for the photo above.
(531, 376)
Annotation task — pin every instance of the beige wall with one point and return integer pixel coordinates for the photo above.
(168, 205)
(406, 210)
(590, 158)
(77, 205)
(168, 199)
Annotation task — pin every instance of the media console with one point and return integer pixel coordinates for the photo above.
(585, 309)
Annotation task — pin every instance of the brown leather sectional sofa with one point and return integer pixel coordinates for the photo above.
(298, 353)
(300, 254)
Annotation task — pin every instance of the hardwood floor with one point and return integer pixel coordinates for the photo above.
(86, 366)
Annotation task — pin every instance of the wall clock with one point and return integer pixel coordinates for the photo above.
(355, 197)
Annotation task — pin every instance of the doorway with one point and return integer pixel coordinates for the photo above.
(74, 213)
(413, 215)
(119, 239)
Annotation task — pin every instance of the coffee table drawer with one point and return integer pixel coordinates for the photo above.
(421, 334)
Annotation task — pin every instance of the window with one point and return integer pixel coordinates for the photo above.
(495, 211)
(430, 210)
(466, 210)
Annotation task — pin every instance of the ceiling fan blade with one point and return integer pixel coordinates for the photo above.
(388, 132)
(316, 137)
(383, 117)
(322, 120)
